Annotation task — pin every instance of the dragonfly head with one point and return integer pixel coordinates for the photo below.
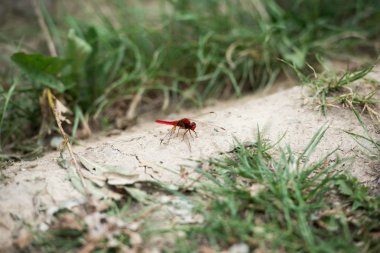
(193, 125)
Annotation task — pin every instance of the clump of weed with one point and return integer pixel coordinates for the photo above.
(370, 146)
(284, 203)
(334, 89)
(329, 87)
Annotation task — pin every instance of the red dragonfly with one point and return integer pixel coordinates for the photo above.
(185, 123)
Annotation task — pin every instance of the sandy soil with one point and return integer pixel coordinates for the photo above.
(31, 189)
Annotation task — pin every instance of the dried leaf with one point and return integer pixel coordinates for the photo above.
(61, 109)
(108, 193)
(23, 239)
(92, 166)
(96, 179)
(112, 174)
(73, 175)
(91, 188)
(115, 178)
(139, 195)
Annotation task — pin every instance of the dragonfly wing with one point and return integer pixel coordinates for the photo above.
(186, 139)
(209, 124)
(168, 136)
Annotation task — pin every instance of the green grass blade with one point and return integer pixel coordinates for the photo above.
(7, 97)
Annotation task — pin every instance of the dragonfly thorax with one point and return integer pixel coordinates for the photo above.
(186, 124)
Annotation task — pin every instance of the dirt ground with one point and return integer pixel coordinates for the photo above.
(30, 190)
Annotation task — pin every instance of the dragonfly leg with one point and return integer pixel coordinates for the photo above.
(193, 132)
(187, 131)
(178, 131)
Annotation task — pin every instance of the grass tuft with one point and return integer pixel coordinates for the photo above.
(271, 202)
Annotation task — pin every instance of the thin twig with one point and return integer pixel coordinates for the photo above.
(51, 99)
(45, 29)
(131, 114)
(166, 102)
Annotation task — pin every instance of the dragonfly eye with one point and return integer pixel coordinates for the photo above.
(193, 126)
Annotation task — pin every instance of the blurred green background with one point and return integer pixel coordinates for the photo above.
(101, 57)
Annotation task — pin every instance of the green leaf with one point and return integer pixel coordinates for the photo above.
(78, 51)
(89, 186)
(44, 70)
(113, 174)
(139, 195)
(345, 188)
(4, 107)
(297, 57)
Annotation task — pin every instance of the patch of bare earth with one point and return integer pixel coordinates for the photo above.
(29, 190)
